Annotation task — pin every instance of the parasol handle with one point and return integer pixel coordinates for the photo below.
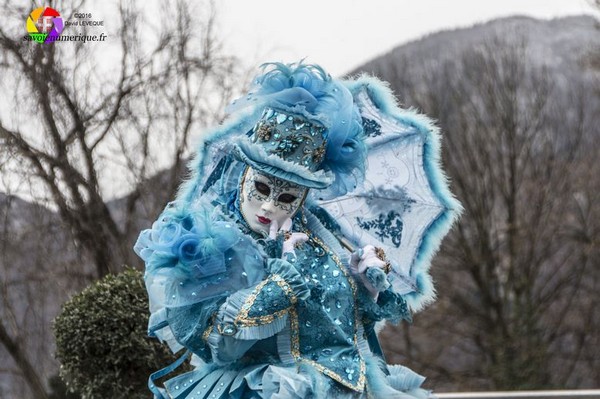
(345, 242)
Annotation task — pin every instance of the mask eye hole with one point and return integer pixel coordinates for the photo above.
(286, 198)
(262, 188)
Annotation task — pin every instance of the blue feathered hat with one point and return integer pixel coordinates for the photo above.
(309, 131)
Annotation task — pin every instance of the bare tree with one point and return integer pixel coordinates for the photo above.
(513, 277)
(86, 122)
(90, 131)
(28, 300)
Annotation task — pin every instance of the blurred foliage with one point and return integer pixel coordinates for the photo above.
(59, 390)
(102, 342)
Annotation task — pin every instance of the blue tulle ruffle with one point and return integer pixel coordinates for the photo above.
(195, 254)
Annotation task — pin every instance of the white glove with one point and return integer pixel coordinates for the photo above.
(361, 261)
(290, 239)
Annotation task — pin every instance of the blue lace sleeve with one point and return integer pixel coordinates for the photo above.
(189, 325)
(389, 306)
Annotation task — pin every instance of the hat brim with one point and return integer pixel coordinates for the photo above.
(256, 157)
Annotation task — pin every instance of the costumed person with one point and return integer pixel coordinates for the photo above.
(250, 271)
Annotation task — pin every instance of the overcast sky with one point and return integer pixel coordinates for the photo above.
(342, 34)
(337, 34)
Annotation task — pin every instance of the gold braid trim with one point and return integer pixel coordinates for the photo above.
(243, 320)
(360, 384)
(207, 332)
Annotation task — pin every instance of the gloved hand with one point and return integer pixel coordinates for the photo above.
(290, 240)
(370, 270)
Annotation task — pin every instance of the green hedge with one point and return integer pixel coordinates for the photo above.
(102, 342)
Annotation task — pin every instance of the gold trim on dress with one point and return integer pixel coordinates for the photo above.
(207, 332)
(243, 320)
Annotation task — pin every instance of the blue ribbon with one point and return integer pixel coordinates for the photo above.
(161, 373)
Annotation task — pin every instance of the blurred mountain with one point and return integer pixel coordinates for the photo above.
(565, 46)
(565, 49)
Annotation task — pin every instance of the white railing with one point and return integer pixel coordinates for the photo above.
(554, 394)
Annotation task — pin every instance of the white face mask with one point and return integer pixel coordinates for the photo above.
(265, 199)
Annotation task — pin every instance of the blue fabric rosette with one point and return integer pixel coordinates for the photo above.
(195, 254)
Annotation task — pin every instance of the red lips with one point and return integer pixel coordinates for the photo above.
(263, 220)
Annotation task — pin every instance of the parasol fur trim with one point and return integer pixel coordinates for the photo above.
(238, 125)
(382, 96)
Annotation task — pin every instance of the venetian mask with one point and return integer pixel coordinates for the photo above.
(265, 199)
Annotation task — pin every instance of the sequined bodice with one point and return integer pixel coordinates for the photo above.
(326, 334)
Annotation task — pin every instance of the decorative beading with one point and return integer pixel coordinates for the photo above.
(291, 137)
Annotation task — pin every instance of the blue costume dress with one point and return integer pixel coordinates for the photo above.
(263, 326)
